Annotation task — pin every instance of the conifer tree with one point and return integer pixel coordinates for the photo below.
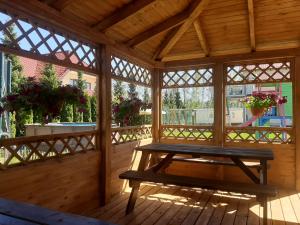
(118, 91)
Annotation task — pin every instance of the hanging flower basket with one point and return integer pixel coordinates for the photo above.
(42, 98)
(258, 103)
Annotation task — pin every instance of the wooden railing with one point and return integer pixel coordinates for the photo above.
(187, 133)
(267, 135)
(120, 135)
(24, 150)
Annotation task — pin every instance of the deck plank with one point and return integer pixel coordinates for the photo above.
(158, 204)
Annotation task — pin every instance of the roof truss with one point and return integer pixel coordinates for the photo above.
(201, 37)
(122, 14)
(200, 6)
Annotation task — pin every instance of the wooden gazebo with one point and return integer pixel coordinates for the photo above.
(160, 44)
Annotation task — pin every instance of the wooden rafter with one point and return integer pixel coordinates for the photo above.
(122, 14)
(60, 4)
(164, 42)
(164, 26)
(201, 37)
(251, 24)
(188, 22)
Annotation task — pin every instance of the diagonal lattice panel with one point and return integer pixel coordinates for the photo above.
(259, 135)
(121, 135)
(188, 133)
(199, 77)
(23, 150)
(267, 72)
(129, 72)
(21, 34)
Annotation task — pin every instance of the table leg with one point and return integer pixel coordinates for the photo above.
(264, 180)
(263, 172)
(136, 185)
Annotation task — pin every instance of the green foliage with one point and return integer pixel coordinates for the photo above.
(127, 112)
(146, 96)
(172, 100)
(262, 100)
(132, 91)
(87, 114)
(17, 122)
(118, 91)
(50, 77)
(78, 116)
(22, 117)
(178, 101)
(80, 81)
(43, 99)
(93, 101)
(66, 114)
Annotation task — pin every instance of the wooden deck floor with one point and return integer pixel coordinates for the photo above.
(174, 205)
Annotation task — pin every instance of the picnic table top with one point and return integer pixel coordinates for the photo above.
(204, 150)
(17, 213)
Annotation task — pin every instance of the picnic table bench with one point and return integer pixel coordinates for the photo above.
(156, 173)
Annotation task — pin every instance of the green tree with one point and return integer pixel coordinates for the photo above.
(67, 113)
(93, 108)
(87, 115)
(146, 97)
(49, 76)
(132, 90)
(172, 100)
(166, 99)
(20, 118)
(77, 116)
(118, 91)
(178, 101)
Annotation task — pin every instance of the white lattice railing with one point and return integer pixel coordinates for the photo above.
(268, 135)
(24, 150)
(120, 135)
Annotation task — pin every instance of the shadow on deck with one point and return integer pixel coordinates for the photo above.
(178, 205)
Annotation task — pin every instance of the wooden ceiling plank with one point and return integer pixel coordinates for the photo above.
(122, 14)
(200, 6)
(251, 24)
(166, 25)
(201, 37)
(49, 1)
(61, 4)
(46, 14)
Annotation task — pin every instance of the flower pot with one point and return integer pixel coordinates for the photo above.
(257, 111)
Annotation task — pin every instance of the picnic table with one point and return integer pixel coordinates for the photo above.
(17, 213)
(203, 154)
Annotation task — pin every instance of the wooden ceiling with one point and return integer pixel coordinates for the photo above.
(168, 30)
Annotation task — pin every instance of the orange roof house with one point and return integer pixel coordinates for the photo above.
(34, 68)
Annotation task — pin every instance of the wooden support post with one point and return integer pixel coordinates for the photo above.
(156, 104)
(296, 118)
(219, 110)
(104, 121)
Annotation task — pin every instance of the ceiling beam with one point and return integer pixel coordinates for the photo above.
(60, 4)
(200, 6)
(234, 57)
(251, 24)
(122, 14)
(201, 37)
(164, 42)
(166, 25)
